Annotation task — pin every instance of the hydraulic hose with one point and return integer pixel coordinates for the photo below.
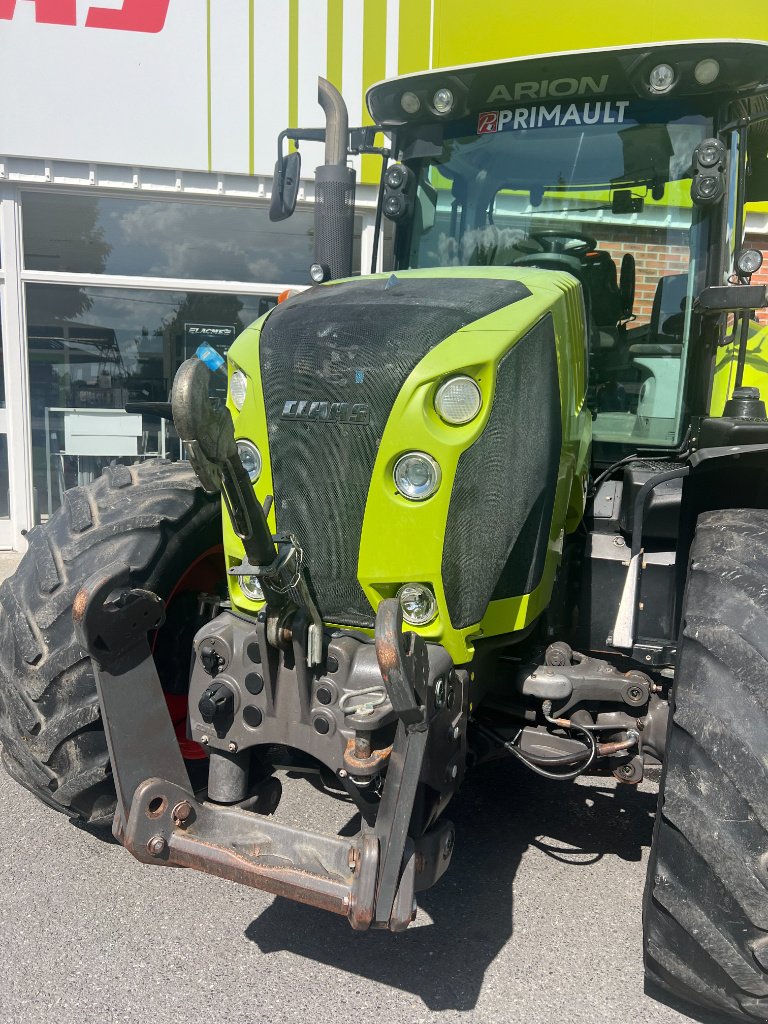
(536, 764)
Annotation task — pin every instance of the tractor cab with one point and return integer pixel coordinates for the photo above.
(628, 169)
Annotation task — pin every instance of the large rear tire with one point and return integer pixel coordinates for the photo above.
(706, 897)
(153, 516)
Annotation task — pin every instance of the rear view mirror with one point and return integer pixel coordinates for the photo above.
(647, 152)
(622, 201)
(285, 186)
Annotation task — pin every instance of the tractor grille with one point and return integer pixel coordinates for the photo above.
(353, 344)
(504, 491)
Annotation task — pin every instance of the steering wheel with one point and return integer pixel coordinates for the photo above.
(557, 240)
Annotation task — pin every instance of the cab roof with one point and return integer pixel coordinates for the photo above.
(742, 69)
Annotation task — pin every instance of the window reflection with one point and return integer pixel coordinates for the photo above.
(101, 348)
(5, 494)
(2, 363)
(164, 238)
(5, 497)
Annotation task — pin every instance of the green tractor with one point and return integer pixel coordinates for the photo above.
(507, 498)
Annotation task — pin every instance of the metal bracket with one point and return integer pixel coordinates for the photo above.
(623, 635)
(133, 708)
(167, 826)
(624, 628)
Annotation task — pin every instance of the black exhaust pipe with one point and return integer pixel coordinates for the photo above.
(334, 189)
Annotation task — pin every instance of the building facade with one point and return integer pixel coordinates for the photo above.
(137, 140)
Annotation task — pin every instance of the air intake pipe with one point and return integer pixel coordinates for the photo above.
(334, 190)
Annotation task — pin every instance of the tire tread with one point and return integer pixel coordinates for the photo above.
(706, 897)
(50, 721)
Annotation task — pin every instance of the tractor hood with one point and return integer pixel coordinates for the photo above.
(344, 378)
(333, 361)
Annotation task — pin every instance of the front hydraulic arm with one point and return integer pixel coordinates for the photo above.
(209, 436)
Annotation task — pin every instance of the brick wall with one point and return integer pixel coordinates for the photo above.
(761, 243)
(654, 258)
(661, 255)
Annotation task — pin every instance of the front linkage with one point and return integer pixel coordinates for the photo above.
(386, 719)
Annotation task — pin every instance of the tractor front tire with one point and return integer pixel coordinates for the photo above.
(156, 518)
(706, 897)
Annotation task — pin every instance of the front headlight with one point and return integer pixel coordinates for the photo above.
(458, 400)
(748, 262)
(417, 476)
(238, 386)
(662, 78)
(442, 101)
(250, 456)
(418, 604)
(251, 587)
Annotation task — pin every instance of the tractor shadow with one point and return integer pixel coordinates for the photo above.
(467, 918)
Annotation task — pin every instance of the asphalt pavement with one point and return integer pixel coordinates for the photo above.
(538, 919)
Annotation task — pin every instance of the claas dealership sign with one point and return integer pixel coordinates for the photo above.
(133, 16)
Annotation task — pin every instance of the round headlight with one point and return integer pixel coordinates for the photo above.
(458, 400)
(238, 386)
(418, 604)
(749, 262)
(706, 71)
(442, 101)
(707, 187)
(410, 103)
(394, 206)
(251, 587)
(395, 177)
(662, 78)
(417, 476)
(250, 456)
(318, 273)
(709, 153)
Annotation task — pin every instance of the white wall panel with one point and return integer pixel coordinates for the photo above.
(352, 64)
(140, 98)
(313, 61)
(270, 83)
(230, 99)
(393, 26)
(96, 94)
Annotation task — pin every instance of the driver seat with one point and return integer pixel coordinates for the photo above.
(602, 283)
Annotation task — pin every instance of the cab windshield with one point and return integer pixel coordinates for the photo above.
(600, 189)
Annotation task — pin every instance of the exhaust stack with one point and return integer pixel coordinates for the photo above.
(334, 189)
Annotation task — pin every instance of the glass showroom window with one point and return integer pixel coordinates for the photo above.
(5, 494)
(92, 350)
(145, 237)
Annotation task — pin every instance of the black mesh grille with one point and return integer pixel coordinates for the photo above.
(504, 492)
(352, 343)
(334, 219)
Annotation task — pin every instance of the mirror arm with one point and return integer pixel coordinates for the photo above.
(379, 208)
(360, 140)
(298, 135)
